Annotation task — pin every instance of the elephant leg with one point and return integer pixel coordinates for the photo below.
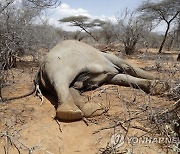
(67, 110)
(89, 108)
(127, 80)
(153, 87)
(128, 68)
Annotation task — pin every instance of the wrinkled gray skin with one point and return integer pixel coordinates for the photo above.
(72, 66)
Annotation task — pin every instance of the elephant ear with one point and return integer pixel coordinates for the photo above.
(83, 76)
(106, 67)
(95, 68)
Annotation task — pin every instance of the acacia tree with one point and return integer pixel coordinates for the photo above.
(164, 10)
(84, 23)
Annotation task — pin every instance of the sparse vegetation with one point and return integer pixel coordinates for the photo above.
(24, 42)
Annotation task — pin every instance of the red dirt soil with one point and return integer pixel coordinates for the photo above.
(28, 127)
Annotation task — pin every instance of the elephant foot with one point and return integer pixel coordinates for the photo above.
(68, 112)
(158, 87)
(92, 109)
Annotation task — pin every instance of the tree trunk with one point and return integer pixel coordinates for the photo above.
(164, 39)
(170, 43)
(178, 58)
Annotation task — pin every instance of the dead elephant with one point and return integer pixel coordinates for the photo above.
(72, 66)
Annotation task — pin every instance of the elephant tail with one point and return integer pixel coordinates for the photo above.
(19, 97)
(34, 89)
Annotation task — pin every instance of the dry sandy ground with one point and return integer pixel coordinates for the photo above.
(26, 126)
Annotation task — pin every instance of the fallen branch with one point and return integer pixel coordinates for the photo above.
(173, 107)
(110, 127)
(58, 124)
(6, 148)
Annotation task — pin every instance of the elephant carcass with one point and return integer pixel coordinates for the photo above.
(73, 66)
